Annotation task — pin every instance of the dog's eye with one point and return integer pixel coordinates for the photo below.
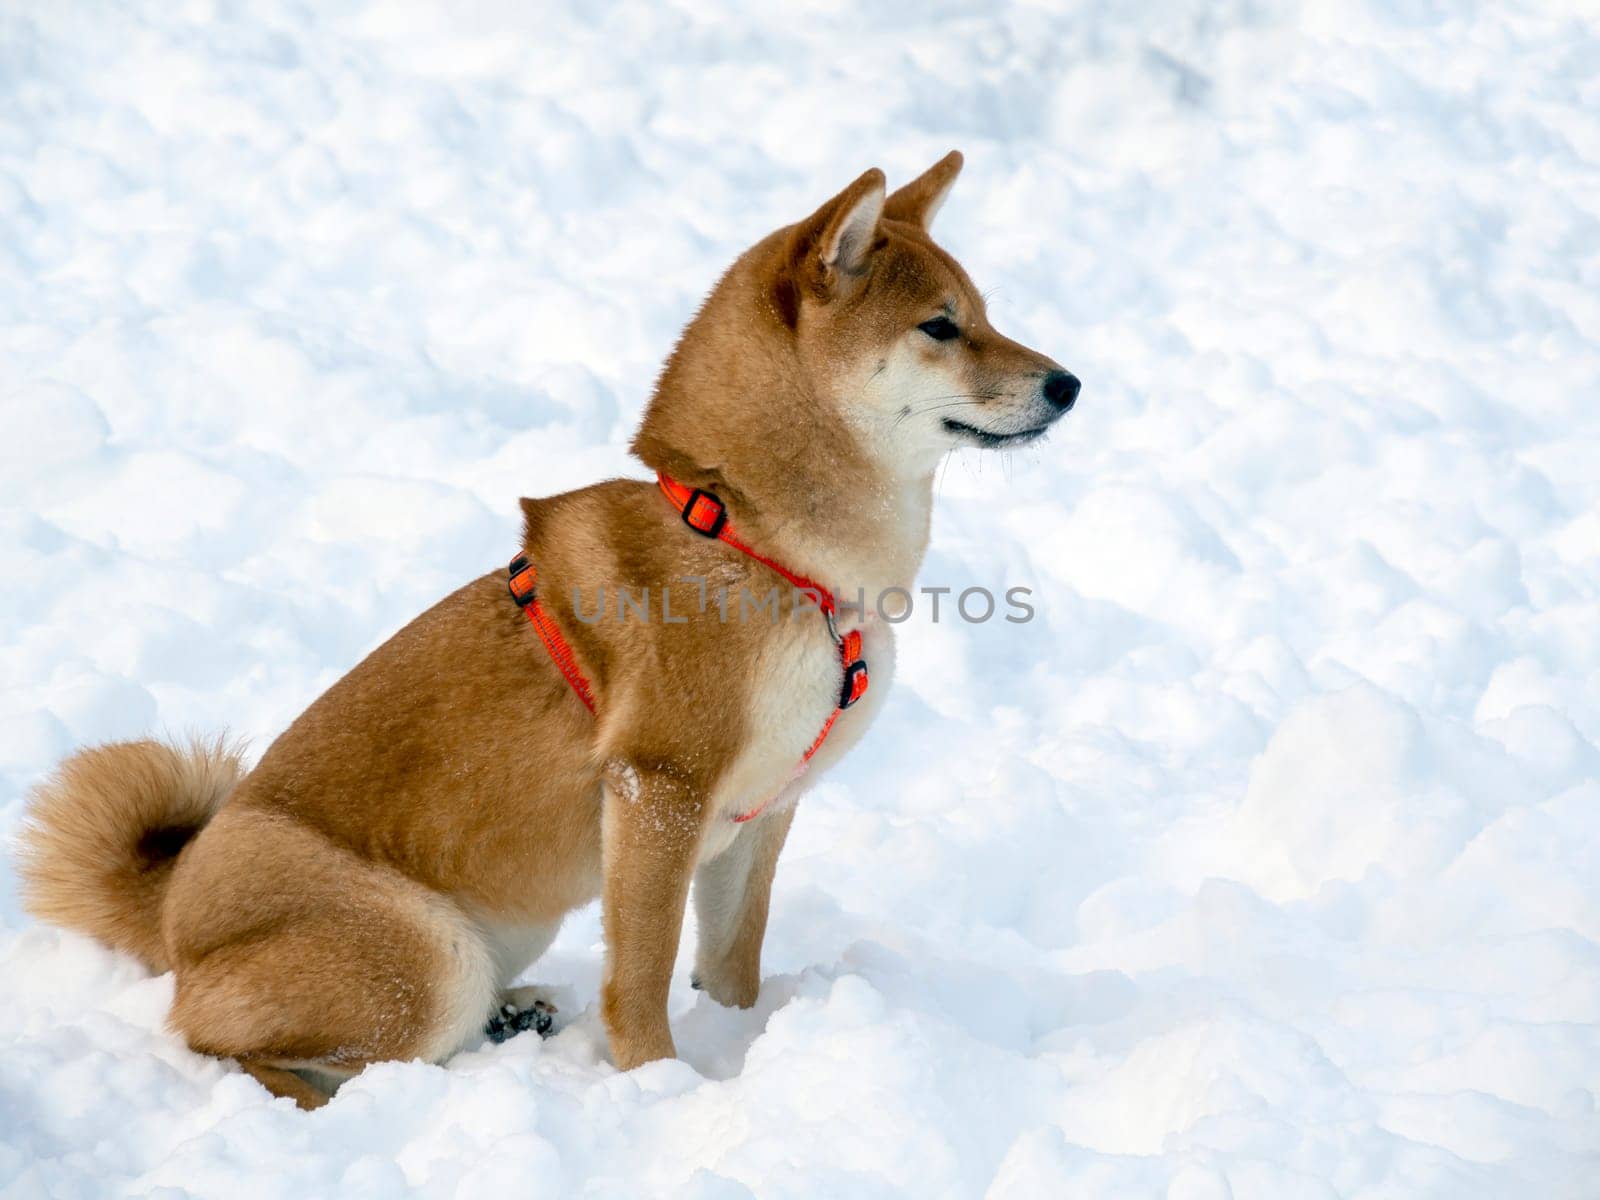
(940, 329)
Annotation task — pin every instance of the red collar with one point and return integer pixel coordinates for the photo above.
(708, 516)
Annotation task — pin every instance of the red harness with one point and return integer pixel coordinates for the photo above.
(707, 516)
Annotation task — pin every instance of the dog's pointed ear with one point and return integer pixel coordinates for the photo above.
(920, 200)
(851, 232)
(834, 245)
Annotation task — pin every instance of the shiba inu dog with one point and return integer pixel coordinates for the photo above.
(410, 844)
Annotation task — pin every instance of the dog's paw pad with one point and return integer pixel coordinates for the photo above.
(510, 1020)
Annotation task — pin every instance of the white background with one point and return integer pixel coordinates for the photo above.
(1262, 864)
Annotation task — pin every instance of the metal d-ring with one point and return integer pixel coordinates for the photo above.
(833, 627)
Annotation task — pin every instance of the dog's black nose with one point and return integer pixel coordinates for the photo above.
(1061, 389)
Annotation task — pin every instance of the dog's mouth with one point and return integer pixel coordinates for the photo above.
(989, 440)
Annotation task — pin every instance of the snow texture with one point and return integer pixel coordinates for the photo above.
(1262, 864)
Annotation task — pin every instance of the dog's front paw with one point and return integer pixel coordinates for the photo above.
(734, 989)
(522, 1009)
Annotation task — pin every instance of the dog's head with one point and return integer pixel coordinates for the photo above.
(848, 343)
(889, 327)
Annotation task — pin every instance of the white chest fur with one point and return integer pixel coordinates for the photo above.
(798, 678)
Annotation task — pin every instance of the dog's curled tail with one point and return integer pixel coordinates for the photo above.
(102, 835)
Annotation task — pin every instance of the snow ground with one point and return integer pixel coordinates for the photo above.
(1263, 864)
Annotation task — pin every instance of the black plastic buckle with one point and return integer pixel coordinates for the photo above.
(851, 672)
(522, 581)
(722, 513)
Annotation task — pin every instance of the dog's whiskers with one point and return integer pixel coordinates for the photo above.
(956, 400)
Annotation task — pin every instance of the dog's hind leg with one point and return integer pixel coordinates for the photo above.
(318, 960)
(337, 991)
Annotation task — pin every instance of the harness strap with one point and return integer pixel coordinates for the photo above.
(708, 516)
(523, 586)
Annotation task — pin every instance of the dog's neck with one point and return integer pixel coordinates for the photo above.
(734, 413)
(820, 516)
(858, 535)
